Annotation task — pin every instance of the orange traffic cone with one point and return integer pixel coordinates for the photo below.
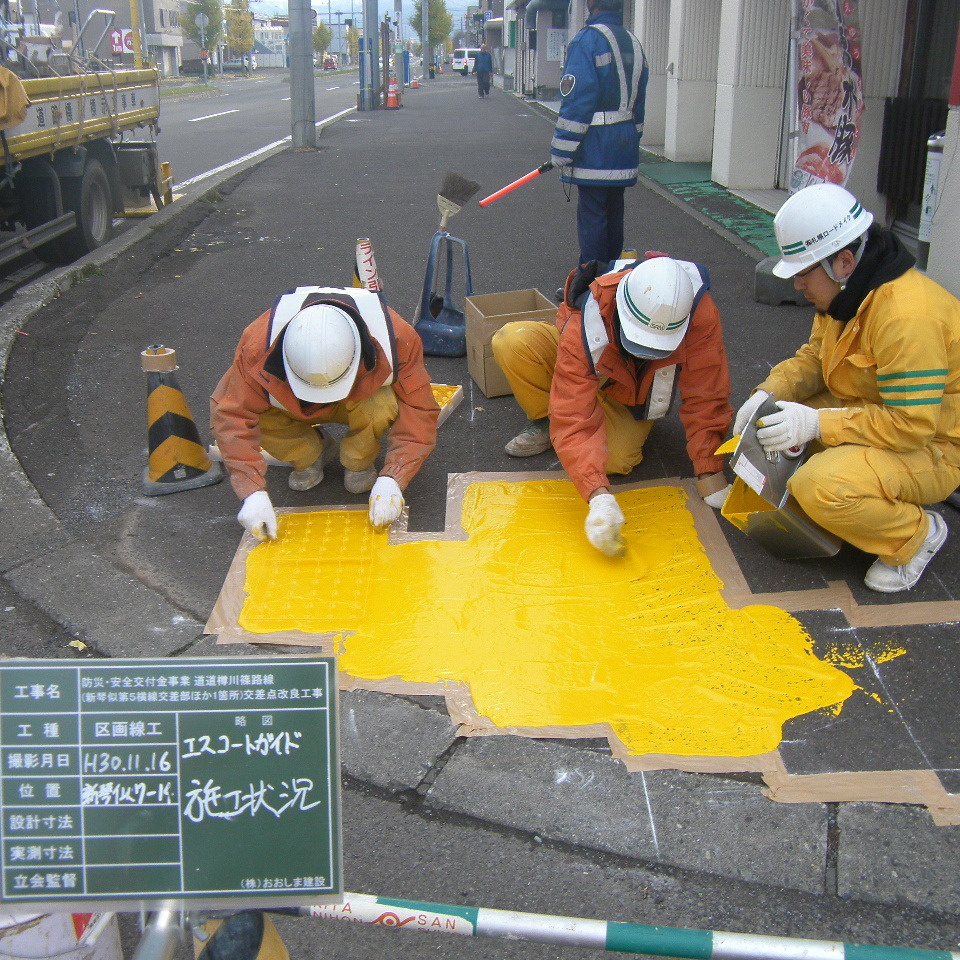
(415, 85)
(178, 460)
(393, 102)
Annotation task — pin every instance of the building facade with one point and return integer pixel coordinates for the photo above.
(722, 91)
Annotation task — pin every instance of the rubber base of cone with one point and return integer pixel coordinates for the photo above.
(442, 339)
(154, 488)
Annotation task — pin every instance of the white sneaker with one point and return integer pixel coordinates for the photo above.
(309, 477)
(534, 438)
(359, 481)
(886, 579)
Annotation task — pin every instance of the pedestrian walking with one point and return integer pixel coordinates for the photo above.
(325, 355)
(877, 385)
(593, 383)
(596, 143)
(483, 68)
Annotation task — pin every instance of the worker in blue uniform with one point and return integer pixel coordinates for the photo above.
(596, 144)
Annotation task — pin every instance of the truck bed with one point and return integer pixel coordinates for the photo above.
(67, 111)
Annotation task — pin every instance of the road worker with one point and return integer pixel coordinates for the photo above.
(593, 383)
(877, 384)
(325, 355)
(596, 143)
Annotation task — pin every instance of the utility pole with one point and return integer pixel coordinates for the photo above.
(302, 102)
(371, 46)
(426, 51)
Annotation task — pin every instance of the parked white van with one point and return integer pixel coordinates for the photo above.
(464, 58)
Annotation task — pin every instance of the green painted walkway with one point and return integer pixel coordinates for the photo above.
(691, 183)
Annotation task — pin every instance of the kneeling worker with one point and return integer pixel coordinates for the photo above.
(593, 383)
(325, 355)
(878, 384)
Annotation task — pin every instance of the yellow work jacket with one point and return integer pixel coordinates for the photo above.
(894, 369)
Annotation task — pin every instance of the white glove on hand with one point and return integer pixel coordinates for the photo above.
(794, 425)
(560, 160)
(718, 498)
(386, 502)
(746, 412)
(604, 523)
(257, 516)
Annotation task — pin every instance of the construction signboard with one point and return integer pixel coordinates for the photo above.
(211, 781)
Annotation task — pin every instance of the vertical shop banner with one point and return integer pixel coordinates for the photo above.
(829, 92)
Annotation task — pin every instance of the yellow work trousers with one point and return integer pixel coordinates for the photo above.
(874, 498)
(527, 354)
(297, 442)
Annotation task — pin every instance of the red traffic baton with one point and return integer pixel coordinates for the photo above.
(533, 174)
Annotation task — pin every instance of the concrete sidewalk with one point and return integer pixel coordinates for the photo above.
(208, 258)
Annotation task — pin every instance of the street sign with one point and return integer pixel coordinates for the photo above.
(209, 780)
(202, 21)
(121, 41)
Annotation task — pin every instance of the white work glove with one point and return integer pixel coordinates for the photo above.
(257, 516)
(560, 160)
(792, 426)
(604, 523)
(386, 502)
(746, 412)
(718, 498)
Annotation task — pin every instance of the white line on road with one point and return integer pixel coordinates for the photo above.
(210, 116)
(256, 153)
(333, 88)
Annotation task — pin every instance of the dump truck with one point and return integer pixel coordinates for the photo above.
(71, 164)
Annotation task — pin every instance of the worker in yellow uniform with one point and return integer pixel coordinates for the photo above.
(325, 355)
(878, 384)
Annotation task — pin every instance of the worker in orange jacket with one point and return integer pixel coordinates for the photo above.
(593, 383)
(325, 355)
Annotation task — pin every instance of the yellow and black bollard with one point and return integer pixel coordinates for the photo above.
(178, 460)
(247, 935)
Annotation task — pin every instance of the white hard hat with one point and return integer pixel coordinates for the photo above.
(814, 224)
(653, 302)
(321, 353)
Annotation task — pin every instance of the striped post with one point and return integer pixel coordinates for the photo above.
(603, 934)
(178, 460)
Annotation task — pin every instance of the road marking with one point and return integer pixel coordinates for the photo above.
(211, 116)
(333, 88)
(256, 153)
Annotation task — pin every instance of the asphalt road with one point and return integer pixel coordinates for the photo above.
(200, 133)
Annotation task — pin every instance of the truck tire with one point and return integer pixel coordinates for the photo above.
(90, 199)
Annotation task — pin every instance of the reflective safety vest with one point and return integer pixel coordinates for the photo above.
(596, 339)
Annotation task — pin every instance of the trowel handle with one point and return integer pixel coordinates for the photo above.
(543, 168)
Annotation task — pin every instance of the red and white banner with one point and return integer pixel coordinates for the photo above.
(829, 92)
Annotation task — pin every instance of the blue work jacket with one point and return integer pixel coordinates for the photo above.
(603, 88)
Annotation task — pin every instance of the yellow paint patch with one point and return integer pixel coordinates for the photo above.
(545, 630)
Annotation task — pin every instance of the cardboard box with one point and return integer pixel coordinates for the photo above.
(486, 313)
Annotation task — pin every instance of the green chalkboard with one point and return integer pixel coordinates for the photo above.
(210, 780)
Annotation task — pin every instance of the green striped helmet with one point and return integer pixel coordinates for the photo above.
(814, 224)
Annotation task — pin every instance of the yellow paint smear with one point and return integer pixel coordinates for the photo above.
(545, 630)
